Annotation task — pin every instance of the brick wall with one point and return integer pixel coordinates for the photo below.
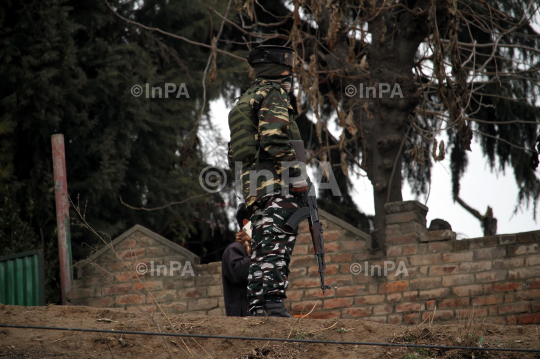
(496, 278)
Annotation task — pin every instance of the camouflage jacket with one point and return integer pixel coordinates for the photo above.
(271, 109)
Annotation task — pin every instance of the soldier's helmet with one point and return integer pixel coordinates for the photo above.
(270, 54)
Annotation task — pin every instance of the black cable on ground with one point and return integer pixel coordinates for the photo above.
(271, 339)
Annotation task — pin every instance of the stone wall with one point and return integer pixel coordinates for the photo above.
(496, 279)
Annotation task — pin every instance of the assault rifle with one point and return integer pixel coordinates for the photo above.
(310, 211)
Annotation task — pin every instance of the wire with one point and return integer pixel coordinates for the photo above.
(271, 339)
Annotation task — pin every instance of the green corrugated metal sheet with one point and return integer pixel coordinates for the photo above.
(22, 280)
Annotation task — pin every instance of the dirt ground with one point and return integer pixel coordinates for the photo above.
(31, 343)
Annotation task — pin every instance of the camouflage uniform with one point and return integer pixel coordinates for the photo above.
(272, 241)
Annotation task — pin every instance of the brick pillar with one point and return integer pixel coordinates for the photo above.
(405, 221)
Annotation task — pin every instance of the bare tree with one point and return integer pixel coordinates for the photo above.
(396, 74)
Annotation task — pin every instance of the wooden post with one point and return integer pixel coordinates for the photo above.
(62, 214)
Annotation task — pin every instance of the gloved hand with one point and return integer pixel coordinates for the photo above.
(299, 186)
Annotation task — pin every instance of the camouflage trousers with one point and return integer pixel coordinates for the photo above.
(272, 244)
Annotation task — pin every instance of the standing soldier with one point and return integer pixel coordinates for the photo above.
(262, 126)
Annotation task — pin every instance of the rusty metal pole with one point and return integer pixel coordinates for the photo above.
(62, 214)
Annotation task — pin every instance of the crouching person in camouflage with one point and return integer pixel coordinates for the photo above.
(262, 125)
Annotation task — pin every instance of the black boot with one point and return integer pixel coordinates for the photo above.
(276, 309)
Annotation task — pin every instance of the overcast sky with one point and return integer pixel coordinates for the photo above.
(479, 188)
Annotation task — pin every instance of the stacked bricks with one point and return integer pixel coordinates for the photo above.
(344, 245)
(496, 278)
(108, 282)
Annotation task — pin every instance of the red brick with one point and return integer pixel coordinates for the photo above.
(402, 239)
(326, 315)
(332, 236)
(509, 239)
(522, 249)
(474, 313)
(202, 304)
(382, 309)
(331, 269)
(328, 247)
(395, 319)
(528, 319)
(489, 277)
(338, 303)
(410, 296)
(511, 319)
(306, 283)
(161, 296)
(192, 292)
(425, 259)
(409, 249)
(303, 260)
(154, 285)
(132, 253)
(318, 293)
(425, 283)
(393, 251)
(339, 280)
(369, 299)
(441, 247)
(116, 289)
(439, 315)
(468, 290)
(131, 299)
(175, 307)
(357, 312)
(295, 295)
(508, 263)
(509, 297)
(125, 276)
(458, 280)
(352, 245)
(454, 302)
(533, 283)
(433, 293)
(157, 251)
(304, 238)
(487, 300)
(306, 306)
(488, 253)
(532, 261)
(535, 307)
(126, 243)
(503, 287)
(458, 257)
(404, 217)
(488, 288)
(475, 266)
(351, 290)
(343, 257)
(393, 287)
(521, 273)
(513, 308)
(393, 297)
(430, 304)
(297, 272)
(409, 307)
(484, 242)
(528, 294)
(442, 270)
(301, 249)
(526, 237)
